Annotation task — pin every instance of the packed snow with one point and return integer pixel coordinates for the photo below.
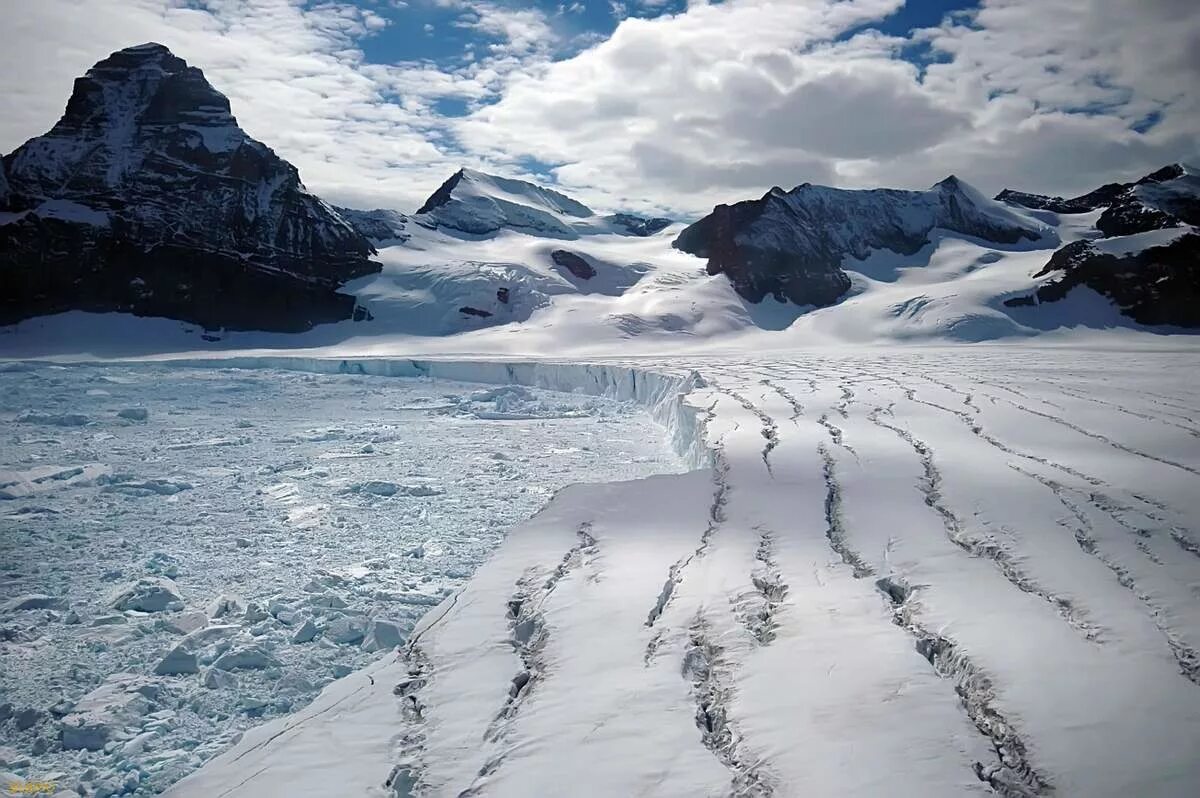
(189, 552)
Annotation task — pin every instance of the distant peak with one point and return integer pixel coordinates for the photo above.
(444, 192)
(149, 52)
(951, 183)
(148, 47)
(1168, 172)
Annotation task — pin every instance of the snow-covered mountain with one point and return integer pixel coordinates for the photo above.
(1167, 197)
(146, 197)
(1143, 251)
(791, 244)
(480, 204)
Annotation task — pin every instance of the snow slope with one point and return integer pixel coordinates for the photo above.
(939, 572)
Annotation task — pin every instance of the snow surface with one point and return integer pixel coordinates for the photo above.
(194, 529)
(931, 572)
(1124, 245)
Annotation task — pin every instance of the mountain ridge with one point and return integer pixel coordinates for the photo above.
(791, 244)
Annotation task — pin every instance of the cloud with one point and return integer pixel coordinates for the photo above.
(1042, 95)
(708, 104)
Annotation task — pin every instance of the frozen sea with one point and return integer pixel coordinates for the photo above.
(271, 530)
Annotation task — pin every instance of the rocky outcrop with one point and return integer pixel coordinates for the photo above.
(380, 225)
(147, 198)
(1164, 198)
(638, 225)
(573, 263)
(1138, 261)
(1156, 285)
(791, 244)
(1099, 198)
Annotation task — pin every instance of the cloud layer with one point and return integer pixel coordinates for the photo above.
(674, 112)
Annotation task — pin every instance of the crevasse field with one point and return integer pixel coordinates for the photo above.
(931, 572)
(190, 551)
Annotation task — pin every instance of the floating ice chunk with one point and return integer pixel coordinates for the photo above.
(327, 600)
(250, 657)
(346, 629)
(53, 419)
(177, 661)
(34, 601)
(215, 679)
(254, 613)
(421, 490)
(224, 605)
(306, 633)
(162, 563)
(134, 413)
(138, 744)
(146, 487)
(107, 709)
(293, 682)
(382, 636)
(11, 758)
(376, 487)
(148, 594)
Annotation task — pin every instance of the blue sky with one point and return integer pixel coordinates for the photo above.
(658, 105)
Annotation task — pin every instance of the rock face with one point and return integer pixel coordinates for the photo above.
(1147, 256)
(1167, 197)
(147, 198)
(380, 225)
(1155, 285)
(573, 263)
(638, 225)
(791, 244)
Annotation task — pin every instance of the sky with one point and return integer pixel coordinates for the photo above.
(657, 105)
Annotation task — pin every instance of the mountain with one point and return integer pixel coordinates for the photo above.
(480, 204)
(146, 197)
(791, 244)
(1164, 198)
(1144, 253)
(379, 225)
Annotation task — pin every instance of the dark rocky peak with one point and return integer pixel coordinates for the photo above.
(791, 244)
(443, 194)
(1131, 207)
(573, 263)
(1168, 172)
(147, 197)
